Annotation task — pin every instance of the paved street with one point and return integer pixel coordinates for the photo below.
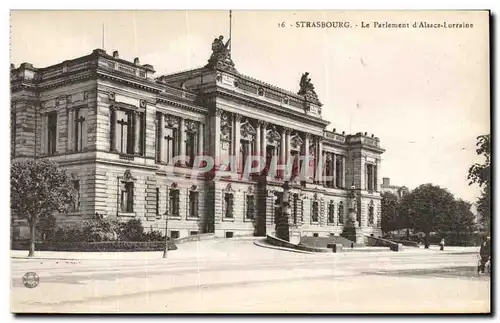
(238, 276)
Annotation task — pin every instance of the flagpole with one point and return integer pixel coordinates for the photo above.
(102, 36)
(230, 27)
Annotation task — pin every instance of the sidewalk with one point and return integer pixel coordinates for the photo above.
(208, 249)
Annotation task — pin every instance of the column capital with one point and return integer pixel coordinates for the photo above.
(308, 136)
(218, 112)
(288, 131)
(237, 117)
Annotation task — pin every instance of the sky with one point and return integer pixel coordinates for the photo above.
(423, 91)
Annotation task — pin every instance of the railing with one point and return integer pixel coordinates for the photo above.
(379, 242)
(285, 244)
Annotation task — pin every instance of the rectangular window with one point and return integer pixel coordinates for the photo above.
(174, 202)
(169, 144)
(127, 198)
(78, 130)
(369, 177)
(341, 213)
(229, 234)
(129, 132)
(331, 213)
(76, 201)
(51, 133)
(190, 148)
(315, 211)
(338, 172)
(228, 205)
(193, 204)
(174, 234)
(250, 211)
(193, 233)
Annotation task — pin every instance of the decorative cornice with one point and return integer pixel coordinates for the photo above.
(273, 108)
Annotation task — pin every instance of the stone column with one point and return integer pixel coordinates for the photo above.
(182, 143)
(319, 162)
(263, 139)
(200, 138)
(112, 129)
(288, 146)
(305, 166)
(342, 173)
(137, 132)
(43, 143)
(236, 143)
(215, 132)
(161, 135)
(257, 150)
(71, 129)
(282, 159)
(334, 170)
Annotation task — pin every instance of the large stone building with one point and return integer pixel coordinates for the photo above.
(115, 127)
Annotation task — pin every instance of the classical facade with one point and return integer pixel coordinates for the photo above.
(117, 129)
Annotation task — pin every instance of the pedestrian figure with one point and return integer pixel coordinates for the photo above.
(441, 244)
(484, 252)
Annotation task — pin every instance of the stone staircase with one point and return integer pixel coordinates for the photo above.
(322, 242)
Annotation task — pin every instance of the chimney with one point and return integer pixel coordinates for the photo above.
(386, 182)
(115, 54)
(136, 61)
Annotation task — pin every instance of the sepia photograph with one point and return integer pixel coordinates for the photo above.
(250, 161)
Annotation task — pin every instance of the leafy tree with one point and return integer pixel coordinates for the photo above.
(463, 220)
(427, 207)
(481, 174)
(404, 214)
(38, 190)
(389, 220)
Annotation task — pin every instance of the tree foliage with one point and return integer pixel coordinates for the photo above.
(389, 220)
(38, 190)
(428, 207)
(481, 174)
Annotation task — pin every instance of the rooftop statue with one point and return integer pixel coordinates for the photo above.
(307, 88)
(221, 54)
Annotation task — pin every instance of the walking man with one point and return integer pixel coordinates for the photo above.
(441, 244)
(484, 252)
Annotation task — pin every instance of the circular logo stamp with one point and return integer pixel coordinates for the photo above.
(31, 280)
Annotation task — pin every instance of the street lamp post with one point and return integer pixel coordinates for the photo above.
(165, 251)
